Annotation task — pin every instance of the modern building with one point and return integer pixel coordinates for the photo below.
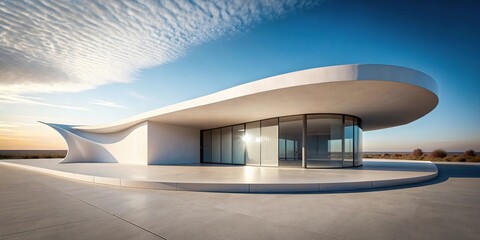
(312, 118)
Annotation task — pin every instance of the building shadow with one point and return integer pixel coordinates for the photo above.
(445, 172)
(389, 165)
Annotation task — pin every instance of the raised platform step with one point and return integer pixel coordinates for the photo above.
(239, 179)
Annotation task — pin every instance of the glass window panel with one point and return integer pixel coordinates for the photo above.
(360, 147)
(281, 149)
(238, 133)
(269, 142)
(290, 141)
(290, 150)
(227, 145)
(348, 147)
(207, 146)
(252, 140)
(358, 135)
(324, 140)
(216, 145)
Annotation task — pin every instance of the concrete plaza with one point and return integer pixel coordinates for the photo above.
(40, 206)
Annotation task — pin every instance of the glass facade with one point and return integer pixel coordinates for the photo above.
(207, 146)
(358, 143)
(238, 144)
(269, 142)
(312, 141)
(324, 140)
(227, 145)
(348, 141)
(290, 141)
(252, 143)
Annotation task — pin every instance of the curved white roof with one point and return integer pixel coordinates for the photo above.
(381, 95)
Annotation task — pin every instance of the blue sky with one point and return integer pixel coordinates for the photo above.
(440, 38)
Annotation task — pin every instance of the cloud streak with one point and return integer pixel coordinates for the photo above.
(107, 104)
(70, 46)
(139, 96)
(9, 97)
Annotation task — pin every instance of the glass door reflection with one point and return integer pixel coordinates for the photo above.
(290, 131)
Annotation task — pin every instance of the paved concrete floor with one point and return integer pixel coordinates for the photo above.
(38, 206)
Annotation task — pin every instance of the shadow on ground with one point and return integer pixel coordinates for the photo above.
(445, 172)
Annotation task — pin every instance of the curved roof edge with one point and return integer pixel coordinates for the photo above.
(321, 75)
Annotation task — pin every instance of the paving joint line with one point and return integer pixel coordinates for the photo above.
(103, 210)
(158, 235)
(46, 227)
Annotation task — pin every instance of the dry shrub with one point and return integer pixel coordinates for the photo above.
(473, 159)
(438, 153)
(469, 153)
(417, 152)
(396, 156)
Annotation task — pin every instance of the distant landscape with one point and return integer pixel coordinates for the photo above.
(417, 154)
(438, 155)
(31, 154)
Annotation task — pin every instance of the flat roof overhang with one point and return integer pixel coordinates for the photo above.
(381, 95)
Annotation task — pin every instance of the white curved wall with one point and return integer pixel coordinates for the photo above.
(126, 146)
(81, 149)
(144, 143)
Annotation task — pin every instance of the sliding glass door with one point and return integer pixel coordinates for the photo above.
(324, 141)
(290, 141)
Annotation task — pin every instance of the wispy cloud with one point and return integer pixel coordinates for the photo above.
(7, 125)
(139, 96)
(10, 97)
(68, 46)
(11, 128)
(15, 124)
(106, 104)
